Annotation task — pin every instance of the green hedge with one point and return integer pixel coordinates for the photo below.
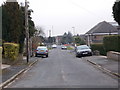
(99, 47)
(0, 50)
(112, 43)
(11, 51)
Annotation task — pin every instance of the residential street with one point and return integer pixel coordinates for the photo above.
(62, 69)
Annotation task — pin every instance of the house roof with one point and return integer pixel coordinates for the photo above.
(103, 27)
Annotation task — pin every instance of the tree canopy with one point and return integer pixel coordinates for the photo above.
(116, 11)
(79, 40)
(67, 38)
(13, 23)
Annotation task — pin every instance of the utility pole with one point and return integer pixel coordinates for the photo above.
(74, 36)
(27, 30)
(49, 33)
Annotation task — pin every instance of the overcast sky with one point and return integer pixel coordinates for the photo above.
(65, 14)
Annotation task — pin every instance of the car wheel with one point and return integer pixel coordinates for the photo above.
(35, 55)
(46, 55)
(90, 54)
(77, 55)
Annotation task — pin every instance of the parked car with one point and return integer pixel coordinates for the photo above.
(64, 47)
(83, 50)
(41, 51)
(54, 46)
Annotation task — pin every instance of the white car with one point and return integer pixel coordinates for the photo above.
(54, 46)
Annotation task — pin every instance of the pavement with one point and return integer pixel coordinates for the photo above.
(4, 66)
(105, 63)
(9, 71)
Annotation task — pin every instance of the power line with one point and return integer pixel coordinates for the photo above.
(77, 5)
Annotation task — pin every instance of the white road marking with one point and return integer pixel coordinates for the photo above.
(63, 75)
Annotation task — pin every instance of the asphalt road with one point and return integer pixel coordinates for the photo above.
(63, 70)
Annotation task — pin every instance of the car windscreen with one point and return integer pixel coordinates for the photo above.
(82, 47)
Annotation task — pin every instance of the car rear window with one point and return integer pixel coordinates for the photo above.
(41, 48)
(82, 47)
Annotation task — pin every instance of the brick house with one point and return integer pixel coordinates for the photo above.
(98, 32)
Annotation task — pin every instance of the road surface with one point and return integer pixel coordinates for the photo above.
(63, 70)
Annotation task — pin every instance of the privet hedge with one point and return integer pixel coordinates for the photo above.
(11, 51)
(112, 43)
(0, 50)
(99, 47)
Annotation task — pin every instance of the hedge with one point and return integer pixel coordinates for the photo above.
(112, 43)
(11, 51)
(0, 50)
(99, 47)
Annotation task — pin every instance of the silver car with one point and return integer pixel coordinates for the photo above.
(41, 51)
(83, 50)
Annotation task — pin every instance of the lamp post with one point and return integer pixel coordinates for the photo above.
(27, 30)
(74, 36)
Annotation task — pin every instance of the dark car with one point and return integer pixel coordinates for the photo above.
(83, 50)
(41, 51)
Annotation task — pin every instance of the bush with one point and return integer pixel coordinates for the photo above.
(99, 47)
(112, 43)
(11, 51)
(0, 50)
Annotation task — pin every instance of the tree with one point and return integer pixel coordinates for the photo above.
(79, 41)
(13, 23)
(0, 24)
(39, 31)
(64, 38)
(116, 11)
(67, 38)
(51, 40)
(38, 37)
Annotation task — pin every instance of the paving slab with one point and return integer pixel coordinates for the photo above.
(14, 69)
(103, 61)
(4, 66)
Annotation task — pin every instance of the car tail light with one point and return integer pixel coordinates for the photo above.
(36, 50)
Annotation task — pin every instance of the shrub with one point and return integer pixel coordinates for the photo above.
(11, 51)
(99, 47)
(0, 50)
(112, 43)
